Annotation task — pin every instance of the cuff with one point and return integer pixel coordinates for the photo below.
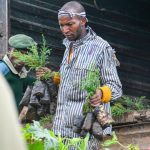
(106, 94)
(56, 78)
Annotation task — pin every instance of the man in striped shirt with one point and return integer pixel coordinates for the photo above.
(83, 48)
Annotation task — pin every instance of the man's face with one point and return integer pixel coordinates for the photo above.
(17, 64)
(71, 27)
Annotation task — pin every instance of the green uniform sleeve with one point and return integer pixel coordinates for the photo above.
(29, 80)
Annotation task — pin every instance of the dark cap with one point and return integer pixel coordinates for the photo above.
(21, 41)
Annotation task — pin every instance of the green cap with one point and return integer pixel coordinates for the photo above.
(21, 41)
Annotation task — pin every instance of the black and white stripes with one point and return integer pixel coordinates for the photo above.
(90, 49)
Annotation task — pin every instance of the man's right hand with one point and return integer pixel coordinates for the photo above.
(41, 71)
(96, 100)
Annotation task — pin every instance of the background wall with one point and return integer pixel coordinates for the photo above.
(124, 24)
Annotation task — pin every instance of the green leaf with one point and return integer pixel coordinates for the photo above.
(108, 143)
(36, 57)
(113, 141)
(39, 133)
(90, 84)
(84, 142)
(74, 141)
(114, 137)
(46, 140)
(36, 146)
(133, 147)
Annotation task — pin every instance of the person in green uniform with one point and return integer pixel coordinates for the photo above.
(15, 72)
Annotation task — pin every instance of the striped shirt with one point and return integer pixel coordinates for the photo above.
(88, 50)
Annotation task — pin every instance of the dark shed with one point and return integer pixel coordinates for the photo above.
(124, 24)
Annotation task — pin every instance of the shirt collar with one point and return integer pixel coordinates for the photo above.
(22, 73)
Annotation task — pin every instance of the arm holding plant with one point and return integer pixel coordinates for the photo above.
(36, 59)
(110, 83)
(111, 87)
(103, 95)
(101, 88)
(43, 70)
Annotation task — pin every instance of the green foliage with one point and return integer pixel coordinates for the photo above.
(134, 103)
(44, 53)
(114, 140)
(40, 134)
(47, 75)
(133, 147)
(46, 119)
(37, 145)
(83, 143)
(128, 104)
(87, 107)
(90, 85)
(39, 138)
(118, 109)
(35, 58)
(27, 135)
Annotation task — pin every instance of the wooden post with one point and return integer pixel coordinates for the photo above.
(3, 27)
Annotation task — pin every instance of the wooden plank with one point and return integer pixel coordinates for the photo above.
(135, 87)
(129, 51)
(3, 27)
(135, 69)
(39, 29)
(34, 9)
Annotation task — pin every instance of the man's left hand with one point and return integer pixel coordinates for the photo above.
(96, 100)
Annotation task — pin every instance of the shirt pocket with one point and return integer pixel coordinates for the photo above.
(77, 75)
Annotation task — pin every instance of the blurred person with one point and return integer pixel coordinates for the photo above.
(15, 72)
(10, 130)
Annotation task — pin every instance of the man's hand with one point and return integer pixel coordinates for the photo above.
(95, 100)
(41, 71)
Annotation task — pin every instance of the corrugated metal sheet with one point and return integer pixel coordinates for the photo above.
(124, 24)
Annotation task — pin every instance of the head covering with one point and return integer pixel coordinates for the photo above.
(21, 41)
(71, 14)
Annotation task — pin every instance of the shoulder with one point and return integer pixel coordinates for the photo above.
(105, 51)
(101, 45)
(4, 69)
(101, 42)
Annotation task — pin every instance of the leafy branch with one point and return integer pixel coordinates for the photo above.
(36, 57)
(42, 139)
(90, 84)
(114, 140)
(46, 119)
(128, 104)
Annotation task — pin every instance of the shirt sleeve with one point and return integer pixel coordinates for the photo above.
(4, 68)
(109, 75)
(29, 80)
